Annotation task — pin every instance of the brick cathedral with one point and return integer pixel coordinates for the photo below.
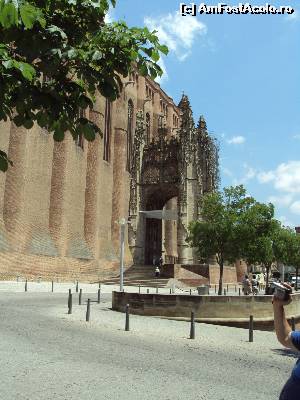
(60, 201)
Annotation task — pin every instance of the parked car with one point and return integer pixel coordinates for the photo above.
(293, 281)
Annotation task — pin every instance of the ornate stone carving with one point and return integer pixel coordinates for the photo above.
(185, 165)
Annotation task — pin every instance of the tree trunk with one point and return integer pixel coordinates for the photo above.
(221, 279)
(267, 278)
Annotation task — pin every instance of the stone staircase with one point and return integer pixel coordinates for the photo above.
(136, 275)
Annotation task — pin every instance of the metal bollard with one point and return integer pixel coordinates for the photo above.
(190, 292)
(88, 310)
(239, 291)
(77, 287)
(80, 296)
(26, 285)
(70, 304)
(156, 289)
(293, 323)
(69, 296)
(99, 292)
(251, 328)
(52, 286)
(139, 289)
(148, 291)
(227, 287)
(170, 291)
(127, 318)
(192, 330)
(99, 285)
(224, 292)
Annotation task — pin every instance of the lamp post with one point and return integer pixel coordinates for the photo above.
(122, 222)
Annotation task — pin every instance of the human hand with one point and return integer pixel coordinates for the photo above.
(278, 302)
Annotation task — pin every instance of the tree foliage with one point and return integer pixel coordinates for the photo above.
(56, 54)
(234, 226)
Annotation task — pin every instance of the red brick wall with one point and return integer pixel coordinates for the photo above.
(229, 274)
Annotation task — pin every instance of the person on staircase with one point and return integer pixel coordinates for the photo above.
(157, 272)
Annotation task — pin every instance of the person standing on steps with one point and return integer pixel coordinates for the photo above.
(157, 272)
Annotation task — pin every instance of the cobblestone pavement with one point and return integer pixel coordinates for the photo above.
(47, 354)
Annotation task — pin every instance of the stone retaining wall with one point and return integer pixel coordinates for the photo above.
(210, 309)
(204, 272)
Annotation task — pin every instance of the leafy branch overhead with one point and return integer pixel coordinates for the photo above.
(56, 55)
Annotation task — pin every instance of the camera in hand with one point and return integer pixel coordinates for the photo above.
(280, 291)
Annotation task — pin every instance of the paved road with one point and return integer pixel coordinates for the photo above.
(46, 354)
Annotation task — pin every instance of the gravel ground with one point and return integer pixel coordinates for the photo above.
(47, 354)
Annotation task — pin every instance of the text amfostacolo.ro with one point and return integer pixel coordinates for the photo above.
(241, 8)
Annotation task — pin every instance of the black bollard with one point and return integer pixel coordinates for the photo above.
(26, 285)
(69, 296)
(190, 292)
(77, 287)
(139, 289)
(80, 296)
(156, 289)
(70, 304)
(224, 292)
(99, 285)
(192, 330)
(127, 318)
(99, 292)
(251, 328)
(88, 310)
(148, 291)
(170, 291)
(239, 291)
(293, 323)
(52, 286)
(227, 287)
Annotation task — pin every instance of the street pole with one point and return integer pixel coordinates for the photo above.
(122, 223)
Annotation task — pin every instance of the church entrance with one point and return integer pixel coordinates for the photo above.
(153, 242)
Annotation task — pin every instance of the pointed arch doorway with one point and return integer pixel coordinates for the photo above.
(161, 222)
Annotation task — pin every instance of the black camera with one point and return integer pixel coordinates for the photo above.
(280, 291)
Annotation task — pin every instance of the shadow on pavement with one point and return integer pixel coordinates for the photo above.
(286, 353)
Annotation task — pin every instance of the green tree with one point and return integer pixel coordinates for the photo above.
(287, 248)
(217, 234)
(257, 232)
(56, 54)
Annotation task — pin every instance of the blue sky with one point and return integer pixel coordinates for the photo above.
(242, 72)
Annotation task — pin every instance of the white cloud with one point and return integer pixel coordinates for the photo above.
(165, 75)
(293, 17)
(286, 177)
(227, 172)
(236, 140)
(295, 207)
(177, 32)
(286, 222)
(265, 177)
(283, 201)
(249, 173)
(109, 17)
